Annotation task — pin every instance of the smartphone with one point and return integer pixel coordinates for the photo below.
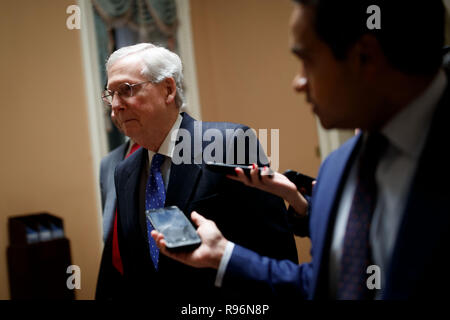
(301, 181)
(229, 168)
(179, 233)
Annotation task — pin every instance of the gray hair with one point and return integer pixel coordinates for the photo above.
(158, 64)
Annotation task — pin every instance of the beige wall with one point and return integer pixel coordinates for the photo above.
(245, 70)
(46, 162)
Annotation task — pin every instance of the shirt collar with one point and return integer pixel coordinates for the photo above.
(168, 145)
(130, 144)
(409, 128)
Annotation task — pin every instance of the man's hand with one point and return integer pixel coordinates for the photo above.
(208, 254)
(277, 184)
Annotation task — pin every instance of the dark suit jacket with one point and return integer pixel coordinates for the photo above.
(109, 278)
(244, 215)
(418, 266)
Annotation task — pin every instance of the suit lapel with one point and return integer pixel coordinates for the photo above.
(110, 203)
(324, 203)
(183, 177)
(129, 185)
(426, 211)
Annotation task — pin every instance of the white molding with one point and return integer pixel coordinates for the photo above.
(330, 140)
(187, 54)
(92, 82)
(96, 121)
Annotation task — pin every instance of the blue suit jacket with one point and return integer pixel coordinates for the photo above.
(418, 267)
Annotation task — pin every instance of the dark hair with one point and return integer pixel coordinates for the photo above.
(411, 34)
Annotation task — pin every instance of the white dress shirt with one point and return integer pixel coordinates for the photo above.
(167, 148)
(130, 145)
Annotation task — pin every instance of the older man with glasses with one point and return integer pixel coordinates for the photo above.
(145, 93)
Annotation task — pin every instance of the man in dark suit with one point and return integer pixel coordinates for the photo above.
(379, 216)
(145, 93)
(109, 282)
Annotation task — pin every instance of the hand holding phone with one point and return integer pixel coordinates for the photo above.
(178, 231)
(302, 182)
(230, 168)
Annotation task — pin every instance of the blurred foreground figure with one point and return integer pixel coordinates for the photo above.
(379, 217)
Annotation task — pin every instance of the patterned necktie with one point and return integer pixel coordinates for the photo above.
(155, 196)
(356, 255)
(116, 259)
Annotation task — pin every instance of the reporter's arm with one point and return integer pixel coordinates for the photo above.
(242, 267)
(277, 184)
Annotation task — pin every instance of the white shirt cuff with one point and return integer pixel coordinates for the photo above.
(224, 263)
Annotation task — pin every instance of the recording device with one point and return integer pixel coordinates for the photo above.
(301, 181)
(229, 169)
(179, 233)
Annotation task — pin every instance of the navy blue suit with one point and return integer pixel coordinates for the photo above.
(245, 215)
(418, 267)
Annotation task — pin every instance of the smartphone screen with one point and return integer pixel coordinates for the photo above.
(178, 231)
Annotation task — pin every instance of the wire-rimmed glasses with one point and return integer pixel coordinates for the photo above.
(124, 90)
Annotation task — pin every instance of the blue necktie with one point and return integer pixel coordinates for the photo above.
(155, 196)
(356, 254)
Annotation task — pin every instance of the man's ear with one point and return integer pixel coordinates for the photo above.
(171, 90)
(369, 55)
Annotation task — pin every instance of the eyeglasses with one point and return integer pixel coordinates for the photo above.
(125, 90)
